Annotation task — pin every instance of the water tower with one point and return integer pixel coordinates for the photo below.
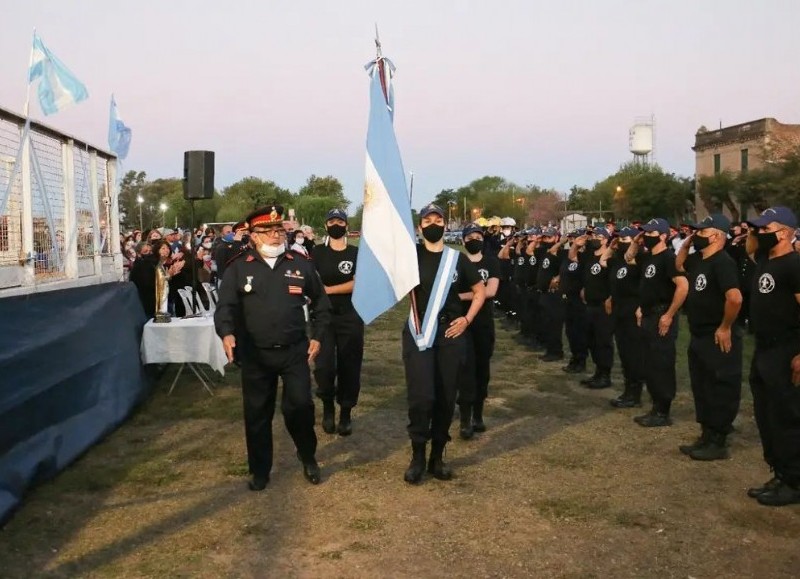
(641, 140)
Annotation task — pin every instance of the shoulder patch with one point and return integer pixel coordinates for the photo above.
(250, 258)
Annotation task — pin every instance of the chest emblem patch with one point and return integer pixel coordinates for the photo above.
(545, 263)
(595, 268)
(520, 260)
(484, 274)
(573, 266)
(650, 271)
(346, 267)
(766, 283)
(622, 272)
(700, 283)
(532, 260)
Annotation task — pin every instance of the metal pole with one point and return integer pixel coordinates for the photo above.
(192, 259)
(411, 188)
(141, 226)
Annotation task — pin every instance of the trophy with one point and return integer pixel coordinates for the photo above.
(162, 293)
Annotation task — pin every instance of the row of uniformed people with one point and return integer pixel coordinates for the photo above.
(632, 288)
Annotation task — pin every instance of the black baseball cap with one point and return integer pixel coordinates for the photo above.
(657, 224)
(430, 208)
(336, 214)
(471, 228)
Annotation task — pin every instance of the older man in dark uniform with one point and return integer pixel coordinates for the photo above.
(775, 370)
(261, 304)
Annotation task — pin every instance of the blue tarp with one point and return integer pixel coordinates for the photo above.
(70, 373)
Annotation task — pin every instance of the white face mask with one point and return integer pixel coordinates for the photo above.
(271, 250)
(299, 239)
(207, 245)
(507, 231)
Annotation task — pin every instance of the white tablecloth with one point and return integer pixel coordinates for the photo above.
(180, 341)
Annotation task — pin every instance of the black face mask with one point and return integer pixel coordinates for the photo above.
(546, 245)
(474, 246)
(593, 244)
(336, 231)
(700, 243)
(651, 242)
(623, 247)
(433, 233)
(682, 235)
(767, 241)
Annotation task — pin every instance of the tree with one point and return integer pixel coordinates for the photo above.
(715, 193)
(325, 187)
(131, 189)
(248, 194)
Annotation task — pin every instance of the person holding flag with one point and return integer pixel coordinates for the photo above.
(433, 342)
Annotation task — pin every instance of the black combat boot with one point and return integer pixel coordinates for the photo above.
(771, 484)
(653, 419)
(466, 431)
(603, 380)
(345, 427)
(716, 448)
(575, 366)
(436, 465)
(477, 417)
(416, 467)
(631, 397)
(328, 416)
(592, 378)
(701, 441)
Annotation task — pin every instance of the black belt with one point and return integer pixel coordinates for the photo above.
(656, 309)
(282, 346)
(769, 340)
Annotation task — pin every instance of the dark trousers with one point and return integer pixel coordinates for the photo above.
(576, 327)
(260, 371)
(600, 336)
(659, 360)
(521, 306)
(338, 364)
(552, 310)
(716, 380)
(776, 403)
(630, 344)
(473, 386)
(529, 322)
(432, 383)
(505, 294)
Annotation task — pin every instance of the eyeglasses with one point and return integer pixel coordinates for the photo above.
(275, 232)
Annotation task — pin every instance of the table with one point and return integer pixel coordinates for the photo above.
(187, 341)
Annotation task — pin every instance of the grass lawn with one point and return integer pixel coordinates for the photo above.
(561, 485)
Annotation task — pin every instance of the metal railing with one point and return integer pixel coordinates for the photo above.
(58, 206)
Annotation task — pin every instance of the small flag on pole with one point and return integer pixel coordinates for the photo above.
(119, 135)
(58, 87)
(387, 253)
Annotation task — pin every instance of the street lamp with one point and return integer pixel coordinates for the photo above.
(140, 200)
(163, 208)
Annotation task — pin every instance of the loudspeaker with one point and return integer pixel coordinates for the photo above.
(198, 175)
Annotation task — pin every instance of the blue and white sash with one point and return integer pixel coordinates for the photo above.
(441, 287)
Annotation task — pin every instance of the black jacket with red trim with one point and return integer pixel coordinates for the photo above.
(266, 303)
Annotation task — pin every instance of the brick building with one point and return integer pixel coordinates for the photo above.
(740, 148)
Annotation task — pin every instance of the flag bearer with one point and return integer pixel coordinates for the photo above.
(433, 343)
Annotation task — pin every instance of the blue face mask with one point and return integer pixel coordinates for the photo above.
(228, 237)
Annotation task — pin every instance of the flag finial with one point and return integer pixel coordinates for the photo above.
(377, 42)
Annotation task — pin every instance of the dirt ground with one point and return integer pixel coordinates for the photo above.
(561, 485)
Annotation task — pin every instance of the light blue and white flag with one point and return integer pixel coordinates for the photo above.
(387, 253)
(58, 87)
(119, 135)
(424, 333)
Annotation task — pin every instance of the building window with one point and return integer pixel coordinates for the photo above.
(716, 164)
(744, 161)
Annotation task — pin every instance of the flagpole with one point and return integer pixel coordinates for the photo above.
(411, 189)
(28, 80)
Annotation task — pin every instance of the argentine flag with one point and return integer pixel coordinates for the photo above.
(58, 87)
(387, 253)
(119, 135)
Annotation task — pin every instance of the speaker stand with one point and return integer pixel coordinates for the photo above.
(195, 307)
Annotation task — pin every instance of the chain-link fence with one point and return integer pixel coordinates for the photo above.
(56, 205)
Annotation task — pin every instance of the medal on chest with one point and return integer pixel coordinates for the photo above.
(248, 287)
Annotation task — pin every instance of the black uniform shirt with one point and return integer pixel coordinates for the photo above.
(623, 279)
(709, 279)
(466, 276)
(570, 279)
(225, 252)
(335, 268)
(595, 280)
(268, 302)
(521, 266)
(774, 311)
(488, 267)
(549, 265)
(656, 286)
